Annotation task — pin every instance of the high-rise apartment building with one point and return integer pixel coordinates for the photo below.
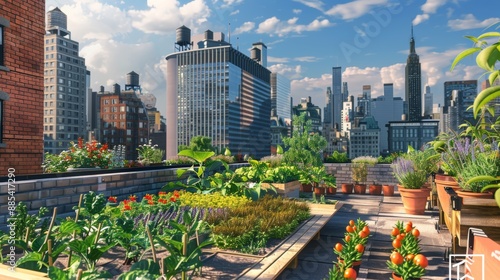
(313, 113)
(364, 138)
(384, 109)
(216, 91)
(413, 84)
(123, 120)
(328, 109)
(338, 97)
(21, 90)
(364, 102)
(281, 110)
(458, 96)
(64, 86)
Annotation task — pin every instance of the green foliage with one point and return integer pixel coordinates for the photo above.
(407, 174)
(79, 155)
(359, 168)
(199, 143)
(26, 223)
(337, 157)
(273, 160)
(389, 158)
(410, 245)
(487, 57)
(281, 174)
(212, 200)
(483, 164)
(426, 159)
(304, 147)
(149, 153)
(254, 224)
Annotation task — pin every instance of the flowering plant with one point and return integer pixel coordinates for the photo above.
(149, 153)
(79, 155)
(405, 171)
(406, 260)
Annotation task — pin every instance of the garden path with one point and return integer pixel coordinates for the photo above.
(381, 213)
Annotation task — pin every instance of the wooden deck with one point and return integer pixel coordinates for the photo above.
(286, 255)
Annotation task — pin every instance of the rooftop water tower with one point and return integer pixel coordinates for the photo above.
(183, 38)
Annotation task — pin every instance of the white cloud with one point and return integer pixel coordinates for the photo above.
(233, 13)
(245, 27)
(91, 19)
(469, 21)
(291, 72)
(163, 16)
(229, 3)
(306, 59)
(297, 11)
(315, 4)
(274, 26)
(314, 87)
(273, 59)
(428, 8)
(355, 9)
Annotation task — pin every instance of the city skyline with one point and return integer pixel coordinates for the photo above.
(305, 39)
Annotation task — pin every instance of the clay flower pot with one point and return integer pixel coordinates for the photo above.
(375, 189)
(388, 190)
(331, 190)
(463, 193)
(319, 191)
(305, 187)
(414, 200)
(346, 188)
(360, 188)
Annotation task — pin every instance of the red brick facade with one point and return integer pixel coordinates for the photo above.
(22, 80)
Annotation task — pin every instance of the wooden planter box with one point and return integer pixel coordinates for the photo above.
(460, 214)
(290, 189)
(20, 274)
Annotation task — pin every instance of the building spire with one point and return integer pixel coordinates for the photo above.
(412, 42)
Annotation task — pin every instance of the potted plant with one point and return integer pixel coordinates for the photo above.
(284, 178)
(388, 190)
(375, 188)
(406, 260)
(411, 185)
(330, 184)
(359, 172)
(350, 252)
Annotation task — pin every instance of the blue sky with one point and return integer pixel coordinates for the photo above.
(369, 39)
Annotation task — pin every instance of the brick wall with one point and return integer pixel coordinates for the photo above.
(22, 144)
(64, 192)
(379, 173)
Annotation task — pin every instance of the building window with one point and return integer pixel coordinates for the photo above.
(3, 24)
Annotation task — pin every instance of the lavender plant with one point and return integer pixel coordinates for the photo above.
(407, 175)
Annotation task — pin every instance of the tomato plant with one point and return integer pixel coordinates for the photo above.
(350, 273)
(421, 261)
(396, 258)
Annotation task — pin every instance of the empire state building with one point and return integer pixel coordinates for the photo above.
(413, 84)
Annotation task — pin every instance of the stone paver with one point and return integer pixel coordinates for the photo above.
(381, 213)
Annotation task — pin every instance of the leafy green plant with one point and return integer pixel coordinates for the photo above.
(304, 147)
(149, 154)
(281, 174)
(487, 57)
(408, 176)
(337, 157)
(359, 168)
(25, 224)
(212, 200)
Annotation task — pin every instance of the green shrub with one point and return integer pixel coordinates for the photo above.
(337, 157)
(213, 200)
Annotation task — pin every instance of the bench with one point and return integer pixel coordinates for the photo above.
(286, 255)
(21, 274)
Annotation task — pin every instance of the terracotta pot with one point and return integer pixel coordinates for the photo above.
(375, 189)
(469, 194)
(397, 277)
(331, 190)
(355, 265)
(305, 187)
(388, 190)
(347, 188)
(319, 191)
(359, 188)
(442, 180)
(414, 200)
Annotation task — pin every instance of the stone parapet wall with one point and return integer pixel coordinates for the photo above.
(379, 173)
(64, 192)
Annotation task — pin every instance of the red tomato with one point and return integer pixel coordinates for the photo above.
(396, 258)
(339, 247)
(367, 230)
(421, 261)
(349, 229)
(360, 248)
(350, 273)
(415, 232)
(396, 243)
(351, 223)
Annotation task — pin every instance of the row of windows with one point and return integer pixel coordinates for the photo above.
(70, 98)
(61, 120)
(50, 64)
(62, 113)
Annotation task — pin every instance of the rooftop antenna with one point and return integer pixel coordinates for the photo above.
(229, 32)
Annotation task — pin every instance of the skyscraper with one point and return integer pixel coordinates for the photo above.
(214, 90)
(364, 101)
(65, 90)
(459, 95)
(428, 99)
(413, 84)
(338, 98)
(328, 110)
